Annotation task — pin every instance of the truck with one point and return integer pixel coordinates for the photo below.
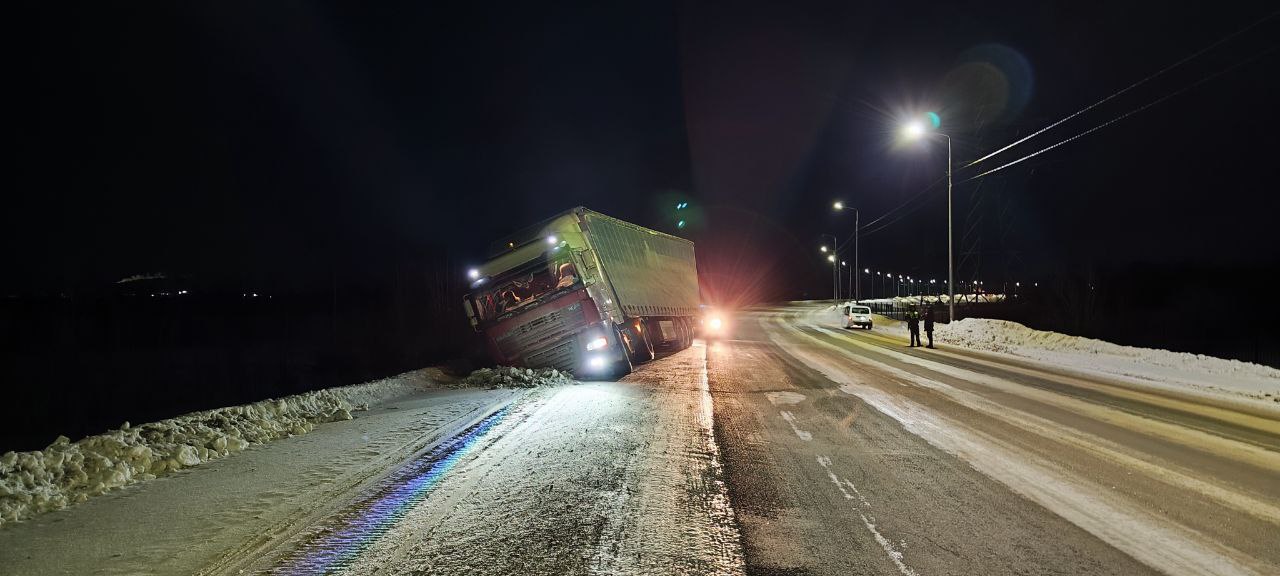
(585, 293)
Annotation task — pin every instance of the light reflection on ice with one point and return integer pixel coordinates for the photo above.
(344, 537)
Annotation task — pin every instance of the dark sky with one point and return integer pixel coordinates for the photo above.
(274, 142)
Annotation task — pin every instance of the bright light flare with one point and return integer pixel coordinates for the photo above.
(552, 240)
(595, 363)
(913, 130)
(831, 258)
(473, 273)
(596, 343)
(838, 205)
(715, 323)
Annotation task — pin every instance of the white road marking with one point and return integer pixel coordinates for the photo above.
(784, 397)
(890, 550)
(791, 419)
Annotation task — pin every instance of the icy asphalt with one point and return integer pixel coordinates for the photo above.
(847, 452)
(794, 448)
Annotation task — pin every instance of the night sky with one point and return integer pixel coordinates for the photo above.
(272, 143)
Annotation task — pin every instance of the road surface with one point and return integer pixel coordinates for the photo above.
(795, 447)
(847, 452)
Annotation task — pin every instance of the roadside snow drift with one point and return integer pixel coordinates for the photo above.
(1196, 373)
(509, 377)
(69, 472)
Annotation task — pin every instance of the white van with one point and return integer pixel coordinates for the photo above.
(859, 316)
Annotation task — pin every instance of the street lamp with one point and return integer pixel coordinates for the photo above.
(835, 270)
(844, 264)
(839, 206)
(914, 131)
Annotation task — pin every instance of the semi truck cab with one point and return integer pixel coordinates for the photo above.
(549, 298)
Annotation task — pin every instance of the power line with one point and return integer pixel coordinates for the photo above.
(1113, 95)
(1126, 114)
(869, 226)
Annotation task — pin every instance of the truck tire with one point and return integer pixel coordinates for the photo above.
(686, 332)
(641, 344)
(636, 345)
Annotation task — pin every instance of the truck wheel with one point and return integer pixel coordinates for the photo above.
(622, 366)
(642, 345)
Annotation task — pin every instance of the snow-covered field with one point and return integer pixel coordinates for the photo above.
(67, 472)
(1180, 371)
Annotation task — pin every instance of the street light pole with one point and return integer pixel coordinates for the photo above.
(857, 215)
(951, 274)
(834, 258)
(916, 130)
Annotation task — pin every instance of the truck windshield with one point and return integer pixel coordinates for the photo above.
(525, 286)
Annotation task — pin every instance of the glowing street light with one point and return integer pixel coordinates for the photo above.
(823, 248)
(915, 130)
(838, 205)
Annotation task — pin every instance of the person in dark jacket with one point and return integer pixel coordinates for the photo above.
(913, 326)
(928, 325)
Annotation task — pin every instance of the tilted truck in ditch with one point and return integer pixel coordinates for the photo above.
(585, 292)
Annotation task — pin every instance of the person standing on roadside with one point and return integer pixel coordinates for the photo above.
(913, 326)
(928, 325)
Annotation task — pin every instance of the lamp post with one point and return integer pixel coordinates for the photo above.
(839, 206)
(914, 131)
(833, 258)
(844, 265)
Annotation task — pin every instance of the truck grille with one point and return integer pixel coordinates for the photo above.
(562, 357)
(547, 329)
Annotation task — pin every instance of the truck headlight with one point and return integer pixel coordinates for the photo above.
(715, 324)
(597, 343)
(595, 363)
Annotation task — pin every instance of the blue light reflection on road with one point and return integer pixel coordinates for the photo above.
(352, 531)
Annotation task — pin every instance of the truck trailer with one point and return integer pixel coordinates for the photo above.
(586, 293)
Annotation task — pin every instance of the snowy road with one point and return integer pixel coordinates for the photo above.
(849, 453)
(795, 448)
(594, 478)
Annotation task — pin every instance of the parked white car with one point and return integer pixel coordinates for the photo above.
(857, 316)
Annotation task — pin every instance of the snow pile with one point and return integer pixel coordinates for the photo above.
(903, 301)
(1176, 370)
(509, 377)
(69, 472)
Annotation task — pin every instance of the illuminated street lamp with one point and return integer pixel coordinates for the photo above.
(839, 206)
(835, 270)
(914, 131)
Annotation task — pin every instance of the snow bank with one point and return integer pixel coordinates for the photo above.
(1150, 366)
(69, 472)
(901, 301)
(509, 377)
